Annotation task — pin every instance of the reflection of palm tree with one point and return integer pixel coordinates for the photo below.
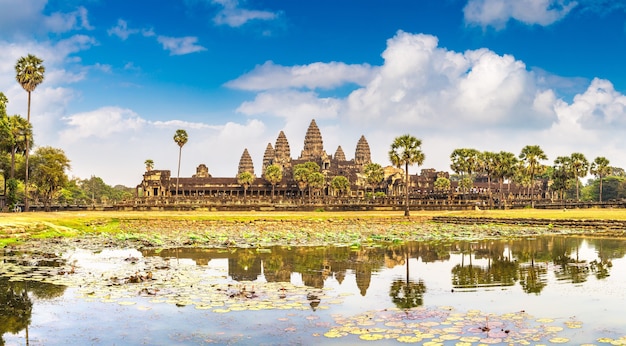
(407, 294)
(15, 308)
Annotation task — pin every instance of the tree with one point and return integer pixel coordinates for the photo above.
(181, 138)
(465, 162)
(374, 174)
(302, 175)
(245, 179)
(531, 157)
(274, 175)
(149, 165)
(506, 165)
(340, 184)
(49, 166)
(561, 175)
(489, 165)
(600, 168)
(579, 167)
(19, 133)
(442, 184)
(405, 151)
(316, 182)
(29, 72)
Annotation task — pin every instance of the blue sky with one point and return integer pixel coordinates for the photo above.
(122, 76)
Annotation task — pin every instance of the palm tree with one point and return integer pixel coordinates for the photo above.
(20, 133)
(149, 165)
(580, 167)
(29, 72)
(405, 151)
(489, 165)
(505, 169)
(180, 137)
(274, 175)
(561, 175)
(600, 168)
(245, 179)
(531, 155)
(374, 174)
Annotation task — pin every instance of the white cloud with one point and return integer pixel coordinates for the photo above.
(121, 30)
(23, 17)
(312, 76)
(100, 123)
(180, 45)
(497, 13)
(235, 16)
(289, 104)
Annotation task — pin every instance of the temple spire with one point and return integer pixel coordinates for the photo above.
(313, 144)
(245, 163)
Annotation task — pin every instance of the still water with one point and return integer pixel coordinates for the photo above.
(544, 290)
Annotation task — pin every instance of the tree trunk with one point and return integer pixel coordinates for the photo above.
(406, 189)
(180, 151)
(26, 206)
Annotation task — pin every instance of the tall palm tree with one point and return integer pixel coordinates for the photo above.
(580, 167)
(29, 72)
(600, 168)
(405, 151)
(181, 138)
(274, 175)
(505, 169)
(531, 156)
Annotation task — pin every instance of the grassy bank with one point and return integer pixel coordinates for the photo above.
(219, 227)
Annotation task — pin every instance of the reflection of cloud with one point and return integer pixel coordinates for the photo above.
(497, 13)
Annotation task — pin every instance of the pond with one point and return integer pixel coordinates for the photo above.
(543, 290)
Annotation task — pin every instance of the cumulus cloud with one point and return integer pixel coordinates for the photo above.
(312, 76)
(235, 16)
(180, 45)
(496, 13)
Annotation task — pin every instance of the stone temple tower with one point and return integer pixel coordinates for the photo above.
(313, 144)
(282, 153)
(339, 154)
(362, 156)
(245, 163)
(268, 157)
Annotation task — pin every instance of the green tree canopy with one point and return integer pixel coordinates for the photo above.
(340, 184)
(374, 174)
(49, 166)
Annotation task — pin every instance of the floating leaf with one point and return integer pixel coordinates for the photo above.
(371, 336)
(559, 340)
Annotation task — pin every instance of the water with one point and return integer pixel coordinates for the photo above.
(528, 291)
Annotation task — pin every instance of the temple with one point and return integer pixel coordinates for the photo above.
(160, 183)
